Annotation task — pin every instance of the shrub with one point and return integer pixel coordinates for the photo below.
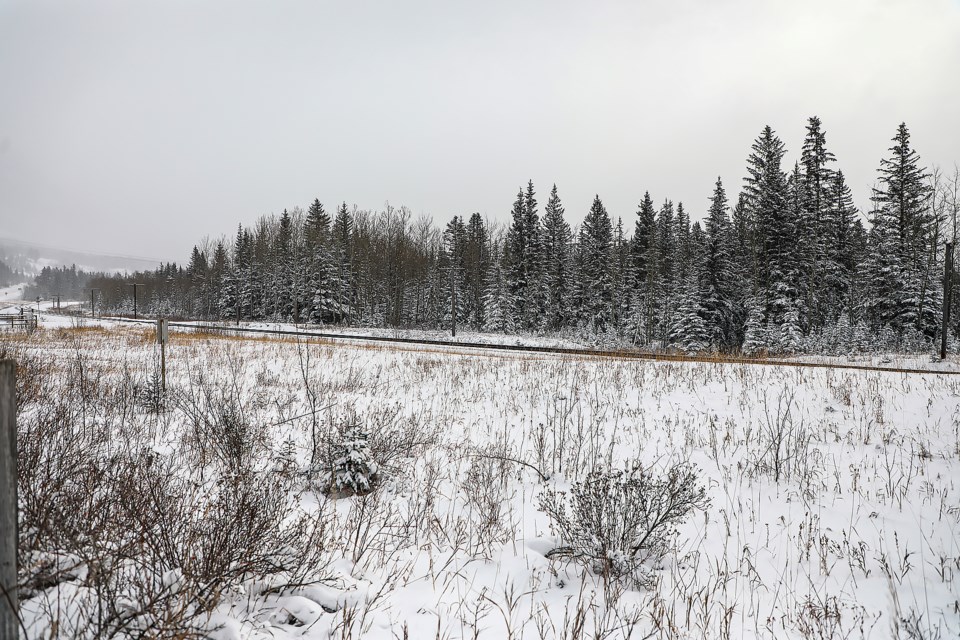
(615, 520)
(354, 471)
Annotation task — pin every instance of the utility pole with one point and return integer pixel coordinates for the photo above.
(9, 606)
(453, 304)
(135, 285)
(93, 313)
(947, 290)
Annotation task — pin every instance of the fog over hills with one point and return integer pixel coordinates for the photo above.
(31, 257)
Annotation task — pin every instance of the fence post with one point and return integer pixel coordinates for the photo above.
(9, 607)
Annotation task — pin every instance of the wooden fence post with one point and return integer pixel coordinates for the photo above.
(9, 607)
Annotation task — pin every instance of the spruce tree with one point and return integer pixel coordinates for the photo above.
(771, 235)
(840, 251)
(556, 244)
(497, 303)
(717, 275)
(596, 244)
(816, 226)
(476, 264)
(524, 259)
(453, 267)
(644, 257)
(533, 260)
(666, 284)
(342, 251)
(689, 332)
(902, 256)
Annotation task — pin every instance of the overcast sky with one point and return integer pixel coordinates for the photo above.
(139, 127)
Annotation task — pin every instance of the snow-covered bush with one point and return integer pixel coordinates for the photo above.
(615, 521)
(354, 471)
(151, 395)
(221, 426)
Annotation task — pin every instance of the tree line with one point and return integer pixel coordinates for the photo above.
(9, 276)
(786, 266)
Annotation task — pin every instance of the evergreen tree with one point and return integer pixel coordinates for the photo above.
(757, 338)
(556, 245)
(644, 255)
(690, 333)
(534, 260)
(816, 226)
(219, 270)
(283, 267)
(771, 234)
(840, 255)
(318, 282)
(902, 256)
(453, 265)
(497, 304)
(596, 243)
(522, 267)
(620, 275)
(476, 264)
(717, 275)
(342, 250)
(666, 282)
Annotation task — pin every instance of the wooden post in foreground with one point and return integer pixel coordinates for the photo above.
(162, 337)
(9, 607)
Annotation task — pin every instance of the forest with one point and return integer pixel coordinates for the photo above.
(787, 265)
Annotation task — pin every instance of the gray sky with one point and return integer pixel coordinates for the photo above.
(138, 127)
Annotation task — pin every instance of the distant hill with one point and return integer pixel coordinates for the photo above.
(29, 258)
(9, 276)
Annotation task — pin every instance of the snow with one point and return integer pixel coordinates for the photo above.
(861, 531)
(13, 293)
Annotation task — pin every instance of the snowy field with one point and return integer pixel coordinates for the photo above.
(833, 512)
(11, 294)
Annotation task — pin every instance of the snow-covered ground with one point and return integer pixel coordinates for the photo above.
(833, 512)
(892, 360)
(529, 339)
(12, 294)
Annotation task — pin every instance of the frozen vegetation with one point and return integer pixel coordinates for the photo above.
(305, 489)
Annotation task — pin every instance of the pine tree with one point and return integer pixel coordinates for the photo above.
(320, 278)
(453, 265)
(771, 234)
(556, 246)
(596, 244)
(902, 256)
(666, 283)
(840, 255)
(690, 333)
(684, 249)
(219, 271)
(756, 338)
(476, 264)
(644, 254)
(516, 265)
(816, 226)
(283, 268)
(717, 275)
(620, 275)
(533, 260)
(342, 251)
(497, 311)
